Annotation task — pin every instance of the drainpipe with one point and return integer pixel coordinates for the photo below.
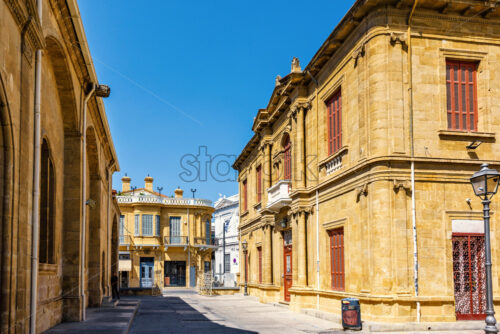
(189, 250)
(84, 197)
(412, 153)
(36, 183)
(317, 200)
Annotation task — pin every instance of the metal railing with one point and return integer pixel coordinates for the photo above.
(206, 241)
(125, 240)
(171, 240)
(165, 201)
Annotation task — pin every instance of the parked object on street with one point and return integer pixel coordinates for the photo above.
(351, 313)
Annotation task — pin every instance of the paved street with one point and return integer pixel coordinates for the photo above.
(184, 311)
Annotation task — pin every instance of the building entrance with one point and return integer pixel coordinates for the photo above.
(175, 273)
(469, 276)
(147, 272)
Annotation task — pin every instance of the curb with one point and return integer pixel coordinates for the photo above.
(131, 321)
(401, 327)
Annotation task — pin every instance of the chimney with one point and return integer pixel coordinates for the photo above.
(148, 183)
(178, 192)
(125, 183)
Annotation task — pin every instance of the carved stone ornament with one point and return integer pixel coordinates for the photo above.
(277, 81)
(402, 185)
(296, 65)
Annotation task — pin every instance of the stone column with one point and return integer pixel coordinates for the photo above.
(268, 261)
(295, 247)
(299, 143)
(203, 228)
(301, 250)
(197, 218)
(267, 173)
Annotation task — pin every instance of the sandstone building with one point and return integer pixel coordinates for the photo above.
(164, 241)
(329, 203)
(56, 164)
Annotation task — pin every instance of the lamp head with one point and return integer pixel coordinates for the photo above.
(485, 182)
(244, 244)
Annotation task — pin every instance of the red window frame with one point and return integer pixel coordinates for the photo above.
(334, 108)
(245, 207)
(259, 251)
(337, 259)
(259, 183)
(461, 95)
(287, 159)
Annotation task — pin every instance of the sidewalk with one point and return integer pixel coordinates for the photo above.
(109, 320)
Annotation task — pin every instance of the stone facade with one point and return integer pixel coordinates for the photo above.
(73, 272)
(391, 84)
(164, 241)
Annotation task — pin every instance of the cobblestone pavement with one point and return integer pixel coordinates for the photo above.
(184, 311)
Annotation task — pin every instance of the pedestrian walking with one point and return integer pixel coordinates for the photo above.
(114, 287)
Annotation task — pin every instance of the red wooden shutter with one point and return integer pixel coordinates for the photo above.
(259, 249)
(337, 258)
(259, 184)
(245, 195)
(461, 95)
(287, 151)
(334, 108)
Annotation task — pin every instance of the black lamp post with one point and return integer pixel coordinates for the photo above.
(244, 245)
(485, 185)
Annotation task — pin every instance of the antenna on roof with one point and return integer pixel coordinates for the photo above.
(193, 191)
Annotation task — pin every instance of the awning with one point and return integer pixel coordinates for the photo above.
(124, 265)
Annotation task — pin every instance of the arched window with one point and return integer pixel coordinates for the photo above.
(287, 159)
(47, 206)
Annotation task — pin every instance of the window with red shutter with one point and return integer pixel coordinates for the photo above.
(334, 108)
(461, 95)
(245, 195)
(337, 258)
(287, 159)
(259, 183)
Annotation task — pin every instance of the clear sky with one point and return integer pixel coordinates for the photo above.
(191, 74)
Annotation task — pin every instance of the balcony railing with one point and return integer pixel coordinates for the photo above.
(278, 195)
(125, 240)
(175, 240)
(206, 241)
(165, 201)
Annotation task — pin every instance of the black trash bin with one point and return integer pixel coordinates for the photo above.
(351, 313)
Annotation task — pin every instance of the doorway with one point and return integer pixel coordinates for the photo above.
(287, 263)
(175, 273)
(469, 276)
(147, 272)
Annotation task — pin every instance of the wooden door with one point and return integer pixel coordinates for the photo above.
(287, 270)
(469, 276)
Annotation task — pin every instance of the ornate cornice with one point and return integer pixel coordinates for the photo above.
(22, 11)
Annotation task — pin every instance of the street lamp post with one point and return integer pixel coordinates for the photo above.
(485, 185)
(244, 245)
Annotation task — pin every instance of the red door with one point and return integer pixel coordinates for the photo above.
(469, 276)
(287, 269)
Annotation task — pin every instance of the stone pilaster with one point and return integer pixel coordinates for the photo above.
(268, 260)
(301, 249)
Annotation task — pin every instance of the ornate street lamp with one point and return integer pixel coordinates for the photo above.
(485, 185)
(244, 245)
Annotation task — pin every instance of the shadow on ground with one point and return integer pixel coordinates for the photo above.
(173, 315)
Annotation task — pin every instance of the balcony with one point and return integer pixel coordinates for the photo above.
(175, 241)
(125, 240)
(278, 195)
(206, 243)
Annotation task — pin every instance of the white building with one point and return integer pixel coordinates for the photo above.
(226, 221)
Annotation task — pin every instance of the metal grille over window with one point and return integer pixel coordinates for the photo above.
(158, 228)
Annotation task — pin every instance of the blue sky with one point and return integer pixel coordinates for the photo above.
(187, 74)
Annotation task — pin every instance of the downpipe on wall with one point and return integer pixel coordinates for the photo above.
(83, 243)
(412, 153)
(36, 184)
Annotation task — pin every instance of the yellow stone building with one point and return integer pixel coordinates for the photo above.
(164, 241)
(58, 218)
(356, 182)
